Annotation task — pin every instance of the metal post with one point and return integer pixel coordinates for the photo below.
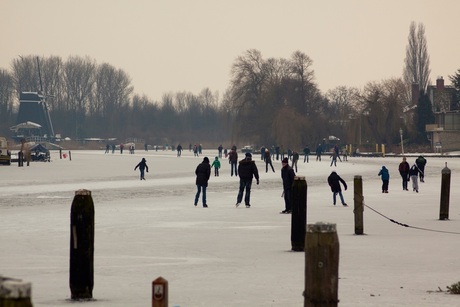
(445, 194)
(402, 141)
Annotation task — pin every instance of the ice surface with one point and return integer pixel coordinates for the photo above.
(223, 256)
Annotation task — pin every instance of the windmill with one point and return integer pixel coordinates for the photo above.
(34, 109)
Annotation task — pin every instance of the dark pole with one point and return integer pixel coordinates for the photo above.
(321, 266)
(358, 205)
(445, 194)
(81, 279)
(299, 214)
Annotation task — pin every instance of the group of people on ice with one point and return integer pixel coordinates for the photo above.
(408, 173)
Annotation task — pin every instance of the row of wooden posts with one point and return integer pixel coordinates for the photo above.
(319, 242)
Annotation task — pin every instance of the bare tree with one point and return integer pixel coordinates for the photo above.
(6, 98)
(417, 61)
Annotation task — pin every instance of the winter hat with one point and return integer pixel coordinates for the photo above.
(206, 160)
(217, 158)
(143, 160)
(285, 160)
(248, 155)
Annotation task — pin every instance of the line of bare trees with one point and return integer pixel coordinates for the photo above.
(269, 101)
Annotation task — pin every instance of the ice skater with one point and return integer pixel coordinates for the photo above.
(334, 182)
(413, 174)
(216, 165)
(385, 179)
(202, 172)
(142, 167)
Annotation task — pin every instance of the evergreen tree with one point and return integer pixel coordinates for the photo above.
(425, 116)
(455, 79)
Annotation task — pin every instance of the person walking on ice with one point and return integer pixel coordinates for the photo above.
(421, 162)
(247, 169)
(202, 172)
(385, 178)
(216, 165)
(142, 166)
(287, 174)
(413, 175)
(334, 182)
(404, 172)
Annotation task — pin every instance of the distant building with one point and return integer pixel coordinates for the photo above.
(444, 134)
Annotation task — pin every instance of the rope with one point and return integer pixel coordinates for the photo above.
(406, 225)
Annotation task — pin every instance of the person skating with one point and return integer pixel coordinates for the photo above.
(295, 159)
(142, 167)
(334, 181)
(287, 174)
(202, 172)
(404, 172)
(306, 152)
(233, 160)
(413, 174)
(268, 161)
(247, 169)
(319, 151)
(421, 162)
(385, 178)
(216, 165)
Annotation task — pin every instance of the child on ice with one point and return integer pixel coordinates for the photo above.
(216, 165)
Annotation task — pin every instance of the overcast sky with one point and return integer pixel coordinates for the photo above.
(171, 46)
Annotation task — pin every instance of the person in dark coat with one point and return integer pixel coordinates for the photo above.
(404, 172)
(319, 151)
(142, 166)
(334, 181)
(247, 169)
(268, 161)
(287, 174)
(421, 162)
(306, 152)
(203, 172)
(233, 160)
(295, 159)
(385, 178)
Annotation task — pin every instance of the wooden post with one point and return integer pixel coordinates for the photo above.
(160, 292)
(81, 279)
(70, 156)
(20, 159)
(60, 153)
(377, 148)
(383, 150)
(15, 293)
(299, 213)
(321, 266)
(445, 193)
(358, 205)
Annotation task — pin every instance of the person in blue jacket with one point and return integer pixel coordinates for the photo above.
(385, 178)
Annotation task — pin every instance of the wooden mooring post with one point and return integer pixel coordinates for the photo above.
(445, 193)
(299, 213)
(358, 205)
(15, 293)
(81, 279)
(160, 292)
(321, 265)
